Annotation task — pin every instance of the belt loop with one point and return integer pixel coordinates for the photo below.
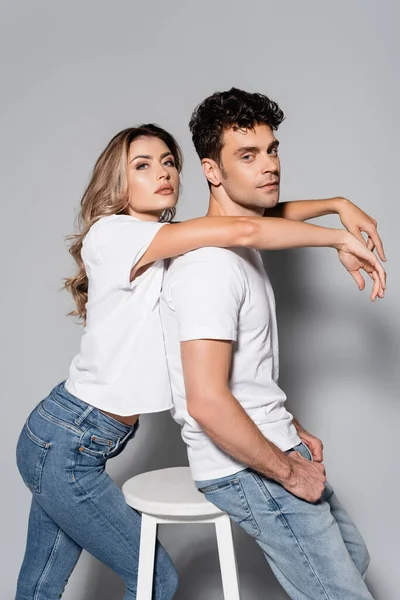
(83, 416)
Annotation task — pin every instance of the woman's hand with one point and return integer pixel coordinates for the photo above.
(355, 256)
(357, 221)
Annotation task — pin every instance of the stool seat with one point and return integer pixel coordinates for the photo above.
(169, 496)
(169, 493)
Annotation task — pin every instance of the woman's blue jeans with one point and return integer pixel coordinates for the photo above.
(61, 455)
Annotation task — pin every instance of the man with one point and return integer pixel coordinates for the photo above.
(247, 454)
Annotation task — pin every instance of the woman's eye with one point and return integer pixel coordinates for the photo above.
(141, 166)
(169, 163)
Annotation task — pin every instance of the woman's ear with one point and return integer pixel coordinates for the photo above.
(211, 171)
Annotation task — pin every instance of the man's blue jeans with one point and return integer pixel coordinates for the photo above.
(314, 549)
(61, 455)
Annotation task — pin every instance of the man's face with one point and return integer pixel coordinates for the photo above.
(250, 166)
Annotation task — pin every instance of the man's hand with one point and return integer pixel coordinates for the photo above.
(357, 221)
(306, 480)
(313, 443)
(355, 256)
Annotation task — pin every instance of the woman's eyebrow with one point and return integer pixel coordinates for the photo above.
(141, 156)
(148, 157)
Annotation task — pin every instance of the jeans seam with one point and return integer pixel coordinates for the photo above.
(256, 526)
(61, 405)
(89, 500)
(49, 563)
(115, 434)
(64, 424)
(120, 430)
(267, 494)
(34, 438)
(36, 487)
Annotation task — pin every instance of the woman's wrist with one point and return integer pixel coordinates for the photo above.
(339, 203)
(339, 238)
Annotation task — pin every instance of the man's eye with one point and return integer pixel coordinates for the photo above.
(273, 151)
(247, 157)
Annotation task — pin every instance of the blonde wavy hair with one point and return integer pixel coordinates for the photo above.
(108, 194)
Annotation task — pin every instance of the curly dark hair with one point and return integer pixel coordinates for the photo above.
(234, 108)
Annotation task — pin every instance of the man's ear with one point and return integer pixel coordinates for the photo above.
(211, 171)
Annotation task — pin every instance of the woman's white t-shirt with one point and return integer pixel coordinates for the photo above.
(121, 367)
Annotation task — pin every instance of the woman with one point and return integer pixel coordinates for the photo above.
(121, 369)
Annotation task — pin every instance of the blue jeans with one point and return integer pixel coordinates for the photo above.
(61, 455)
(314, 549)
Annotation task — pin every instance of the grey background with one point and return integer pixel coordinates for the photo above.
(75, 73)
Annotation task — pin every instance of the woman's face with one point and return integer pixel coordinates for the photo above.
(153, 178)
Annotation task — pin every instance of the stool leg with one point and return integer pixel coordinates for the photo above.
(227, 558)
(148, 535)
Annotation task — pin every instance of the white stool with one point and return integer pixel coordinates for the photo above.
(170, 496)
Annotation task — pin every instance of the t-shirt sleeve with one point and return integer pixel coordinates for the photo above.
(207, 292)
(120, 244)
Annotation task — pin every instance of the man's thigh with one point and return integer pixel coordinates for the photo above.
(301, 541)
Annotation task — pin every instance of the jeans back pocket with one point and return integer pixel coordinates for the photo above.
(230, 497)
(31, 456)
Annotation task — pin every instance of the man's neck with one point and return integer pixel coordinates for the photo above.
(220, 205)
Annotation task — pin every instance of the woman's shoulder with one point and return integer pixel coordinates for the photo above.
(119, 239)
(112, 221)
(108, 226)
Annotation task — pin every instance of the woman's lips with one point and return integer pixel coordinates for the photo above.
(165, 190)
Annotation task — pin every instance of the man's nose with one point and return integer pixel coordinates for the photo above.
(270, 165)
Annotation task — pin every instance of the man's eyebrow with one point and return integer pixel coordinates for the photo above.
(256, 149)
(247, 149)
(274, 143)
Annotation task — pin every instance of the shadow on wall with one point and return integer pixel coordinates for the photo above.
(300, 317)
(322, 332)
(200, 576)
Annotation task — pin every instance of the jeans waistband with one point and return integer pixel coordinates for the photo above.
(84, 411)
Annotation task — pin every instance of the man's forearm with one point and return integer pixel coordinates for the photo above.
(297, 425)
(302, 210)
(228, 425)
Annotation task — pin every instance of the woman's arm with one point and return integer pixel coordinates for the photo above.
(262, 233)
(303, 210)
(352, 217)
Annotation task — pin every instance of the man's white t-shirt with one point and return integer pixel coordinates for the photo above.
(121, 367)
(225, 294)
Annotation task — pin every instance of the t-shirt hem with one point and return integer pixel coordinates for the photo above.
(133, 410)
(210, 334)
(201, 476)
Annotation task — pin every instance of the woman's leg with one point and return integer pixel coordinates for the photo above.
(62, 454)
(49, 560)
